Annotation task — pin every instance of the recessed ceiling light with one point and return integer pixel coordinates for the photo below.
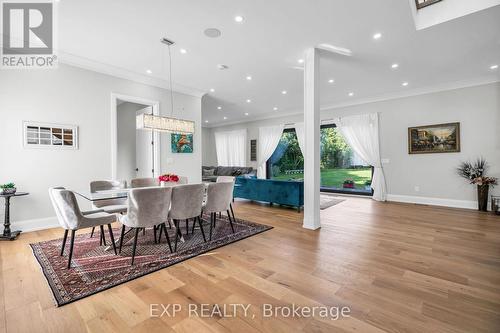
(212, 90)
(331, 81)
(284, 92)
(225, 118)
(300, 61)
(249, 101)
(219, 108)
(378, 35)
(249, 78)
(239, 18)
(183, 51)
(394, 66)
(275, 108)
(404, 84)
(206, 121)
(246, 113)
(494, 67)
(351, 94)
(149, 71)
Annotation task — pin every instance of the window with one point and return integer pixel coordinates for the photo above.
(42, 135)
(341, 169)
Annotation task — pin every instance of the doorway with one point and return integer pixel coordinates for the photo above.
(134, 153)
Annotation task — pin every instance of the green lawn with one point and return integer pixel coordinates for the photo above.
(336, 177)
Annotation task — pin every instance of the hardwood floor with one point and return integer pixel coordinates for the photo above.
(399, 267)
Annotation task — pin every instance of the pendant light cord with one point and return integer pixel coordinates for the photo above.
(170, 80)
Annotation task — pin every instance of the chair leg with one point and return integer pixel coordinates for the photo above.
(232, 211)
(143, 231)
(187, 226)
(201, 227)
(163, 226)
(112, 238)
(154, 231)
(135, 245)
(212, 215)
(103, 236)
(64, 241)
(92, 232)
(71, 244)
(176, 224)
(194, 224)
(121, 238)
(230, 220)
(169, 224)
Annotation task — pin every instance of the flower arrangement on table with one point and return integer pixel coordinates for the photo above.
(9, 188)
(168, 177)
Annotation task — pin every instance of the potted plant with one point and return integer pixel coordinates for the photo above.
(475, 174)
(9, 188)
(348, 183)
(168, 177)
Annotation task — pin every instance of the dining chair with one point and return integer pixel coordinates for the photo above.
(228, 179)
(219, 197)
(71, 218)
(147, 207)
(144, 182)
(110, 205)
(187, 203)
(182, 180)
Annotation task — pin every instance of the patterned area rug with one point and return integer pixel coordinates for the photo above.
(95, 269)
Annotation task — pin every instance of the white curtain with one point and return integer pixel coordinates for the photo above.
(299, 130)
(231, 148)
(269, 137)
(361, 133)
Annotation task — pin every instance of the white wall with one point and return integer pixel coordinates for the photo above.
(476, 108)
(70, 95)
(209, 156)
(126, 137)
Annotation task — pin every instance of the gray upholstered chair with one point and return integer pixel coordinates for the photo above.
(147, 207)
(228, 179)
(144, 182)
(219, 197)
(71, 218)
(111, 205)
(187, 203)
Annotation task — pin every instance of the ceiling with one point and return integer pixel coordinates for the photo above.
(124, 35)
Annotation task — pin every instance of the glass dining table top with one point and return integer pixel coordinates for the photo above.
(121, 193)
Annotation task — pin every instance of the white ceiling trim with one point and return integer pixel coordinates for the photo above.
(95, 66)
(385, 97)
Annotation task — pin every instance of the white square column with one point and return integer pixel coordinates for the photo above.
(312, 140)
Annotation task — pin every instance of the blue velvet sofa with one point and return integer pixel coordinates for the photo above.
(283, 192)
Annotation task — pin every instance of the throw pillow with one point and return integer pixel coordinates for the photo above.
(237, 172)
(208, 172)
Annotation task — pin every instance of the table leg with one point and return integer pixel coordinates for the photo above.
(7, 233)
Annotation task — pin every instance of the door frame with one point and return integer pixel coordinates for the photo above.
(114, 130)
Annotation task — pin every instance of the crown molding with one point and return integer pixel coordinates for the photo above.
(103, 68)
(490, 79)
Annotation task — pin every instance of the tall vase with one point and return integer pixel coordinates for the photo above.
(482, 197)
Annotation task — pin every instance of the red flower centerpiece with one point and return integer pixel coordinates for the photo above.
(168, 177)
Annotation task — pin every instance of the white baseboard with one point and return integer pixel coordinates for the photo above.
(35, 224)
(467, 204)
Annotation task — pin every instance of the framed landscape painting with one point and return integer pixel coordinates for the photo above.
(441, 138)
(182, 143)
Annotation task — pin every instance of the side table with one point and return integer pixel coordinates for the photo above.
(7, 233)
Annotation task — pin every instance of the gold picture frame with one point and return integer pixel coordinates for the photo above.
(430, 139)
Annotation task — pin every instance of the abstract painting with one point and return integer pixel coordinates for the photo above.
(182, 143)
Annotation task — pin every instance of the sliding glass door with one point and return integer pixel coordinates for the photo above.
(342, 170)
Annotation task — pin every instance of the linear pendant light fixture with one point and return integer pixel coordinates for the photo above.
(161, 123)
